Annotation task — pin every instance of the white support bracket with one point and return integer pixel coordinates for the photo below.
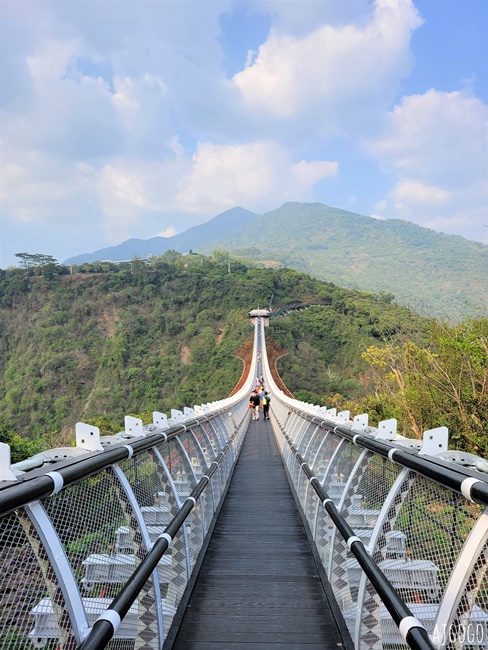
(177, 416)
(344, 415)
(387, 430)
(360, 422)
(88, 437)
(133, 427)
(160, 420)
(6, 473)
(331, 412)
(435, 441)
(188, 413)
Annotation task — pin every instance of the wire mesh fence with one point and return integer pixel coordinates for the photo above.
(65, 558)
(429, 541)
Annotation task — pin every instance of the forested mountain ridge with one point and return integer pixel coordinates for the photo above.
(438, 274)
(433, 273)
(104, 345)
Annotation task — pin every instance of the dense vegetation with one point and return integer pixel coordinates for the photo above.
(441, 380)
(109, 340)
(435, 274)
(136, 338)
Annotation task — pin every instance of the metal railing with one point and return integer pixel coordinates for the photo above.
(98, 542)
(401, 530)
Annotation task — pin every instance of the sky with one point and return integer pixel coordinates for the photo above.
(122, 119)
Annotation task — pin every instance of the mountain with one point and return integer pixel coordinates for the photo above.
(220, 226)
(442, 275)
(104, 345)
(437, 274)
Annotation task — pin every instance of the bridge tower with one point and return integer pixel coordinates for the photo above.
(262, 313)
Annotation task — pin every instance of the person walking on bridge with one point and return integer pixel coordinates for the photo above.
(265, 403)
(254, 402)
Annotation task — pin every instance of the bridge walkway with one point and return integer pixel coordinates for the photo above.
(258, 586)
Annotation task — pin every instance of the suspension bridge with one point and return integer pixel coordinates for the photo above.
(208, 529)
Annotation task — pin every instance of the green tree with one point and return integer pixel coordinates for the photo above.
(439, 381)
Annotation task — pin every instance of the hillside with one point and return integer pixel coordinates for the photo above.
(103, 345)
(433, 273)
(220, 226)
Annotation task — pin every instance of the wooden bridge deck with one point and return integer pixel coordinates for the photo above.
(258, 586)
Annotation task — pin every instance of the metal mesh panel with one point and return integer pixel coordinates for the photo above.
(322, 532)
(432, 523)
(158, 505)
(311, 507)
(315, 443)
(470, 626)
(205, 444)
(436, 523)
(299, 431)
(179, 467)
(212, 436)
(194, 453)
(222, 438)
(302, 448)
(292, 424)
(303, 482)
(341, 484)
(97, 531)
(218, 435)
(322, 459)
(26, 581)
(196, 533)
(216, 483)
(304, 435)
(86, 517)
(375, 481)
(310, 498)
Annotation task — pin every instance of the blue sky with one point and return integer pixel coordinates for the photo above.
(125, 119)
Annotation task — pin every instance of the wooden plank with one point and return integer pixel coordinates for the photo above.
(258, 587)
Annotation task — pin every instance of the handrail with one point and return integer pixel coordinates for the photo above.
(411, 628)
(212, 442)
(40, 484)
(472, 485)
(108, 623)
(117, 540)
(452, 590)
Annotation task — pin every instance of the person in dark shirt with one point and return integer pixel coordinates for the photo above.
(265, 402)
(255, 401)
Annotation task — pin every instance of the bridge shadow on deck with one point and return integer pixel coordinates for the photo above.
(258, 586)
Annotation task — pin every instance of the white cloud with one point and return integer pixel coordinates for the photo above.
(408, 191)
(119, 121)
(36, 190)
(439, 136)
(436, 144)
(134, 194)
(310, 173)
(251, 175)
(302, 16)
(338, 65)
(169, 232)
